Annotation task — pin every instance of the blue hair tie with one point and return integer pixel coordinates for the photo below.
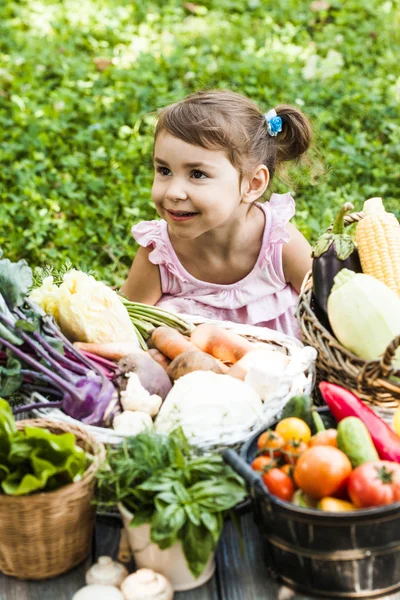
(274, 122)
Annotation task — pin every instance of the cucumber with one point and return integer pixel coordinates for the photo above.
(301, 499)
(300, 407)
(355, 441)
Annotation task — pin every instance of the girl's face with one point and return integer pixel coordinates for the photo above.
(194, 189)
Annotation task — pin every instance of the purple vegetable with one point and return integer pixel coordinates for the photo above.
(49, 362)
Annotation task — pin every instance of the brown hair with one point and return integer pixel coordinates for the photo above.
(225, 120)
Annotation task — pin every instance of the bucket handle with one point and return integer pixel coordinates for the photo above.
(252, 478)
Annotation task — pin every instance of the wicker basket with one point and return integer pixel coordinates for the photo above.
(275, 340)
(45, 534)
(376, 382)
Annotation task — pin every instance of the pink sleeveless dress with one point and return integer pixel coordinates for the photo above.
(261, 298)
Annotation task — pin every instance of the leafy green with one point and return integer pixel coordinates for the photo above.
(35, 459)
(76, 133)
(165, 482)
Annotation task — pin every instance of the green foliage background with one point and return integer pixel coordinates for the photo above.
(76, 134)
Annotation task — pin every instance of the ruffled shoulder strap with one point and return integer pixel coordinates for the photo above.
(155, 234)
(281, 210)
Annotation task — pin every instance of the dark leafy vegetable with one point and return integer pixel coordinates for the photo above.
(35, 459)
(35, 356)
(333, 251)
(183, 495)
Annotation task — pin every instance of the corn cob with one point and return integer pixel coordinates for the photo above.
(378, 241)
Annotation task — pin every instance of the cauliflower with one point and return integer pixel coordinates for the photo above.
(136, 397)
(211, 408)
(86, 310)
(132, 423)
(46, 296)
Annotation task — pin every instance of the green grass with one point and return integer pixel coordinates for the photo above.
(76, 140)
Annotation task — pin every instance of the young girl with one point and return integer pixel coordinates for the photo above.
(217, 252)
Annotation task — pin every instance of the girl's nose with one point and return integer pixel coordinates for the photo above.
(176, 192)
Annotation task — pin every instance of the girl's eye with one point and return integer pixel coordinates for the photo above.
(196, 174)
(163, 170)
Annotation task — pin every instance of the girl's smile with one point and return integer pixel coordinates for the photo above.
(181, 216)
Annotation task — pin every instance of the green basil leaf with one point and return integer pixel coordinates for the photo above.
(181, 492)
(193, 512)
(218, 495)
(165, 525)
(142, 516)
(213, 523)
(198, 544)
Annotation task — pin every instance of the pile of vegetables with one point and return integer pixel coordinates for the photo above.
(34, 459)
(356, 286)
(36, 356)
(354, 465)
(182, 494)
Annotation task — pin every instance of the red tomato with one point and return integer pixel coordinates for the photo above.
(375, 483)
(292, 450)
(261, 463)
(279, 484)
(270, 443)
(322, 471)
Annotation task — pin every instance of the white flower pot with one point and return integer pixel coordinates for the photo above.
(170, 562)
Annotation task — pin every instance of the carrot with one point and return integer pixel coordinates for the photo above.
(159, 357)
(110, 350)
(220, 343)
(170, 342)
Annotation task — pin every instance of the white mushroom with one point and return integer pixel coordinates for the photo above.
(98, 592)
(145, 584)
(136, 397)
(106, 572)
(132, 423)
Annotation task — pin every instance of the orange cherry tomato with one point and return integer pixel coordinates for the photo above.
(293, 428)
(279, 484)
(324, 438)
(292, 450)
(271, 443)
(322, 471)
(263, 462)
(288, 470)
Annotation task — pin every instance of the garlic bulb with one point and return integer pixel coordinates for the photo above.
(106, 572)
(98, 592)
(145, 584)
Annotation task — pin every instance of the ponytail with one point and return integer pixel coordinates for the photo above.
(296, 135)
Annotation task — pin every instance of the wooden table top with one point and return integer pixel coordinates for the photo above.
(239, 575)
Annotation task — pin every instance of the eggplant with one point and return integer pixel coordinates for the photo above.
(333, 251)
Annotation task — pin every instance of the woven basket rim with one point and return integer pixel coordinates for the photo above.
(98, 451)
(369, 379)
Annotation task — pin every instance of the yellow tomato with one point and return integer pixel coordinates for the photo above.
(293, 428)
(329, 504)
(396, 421)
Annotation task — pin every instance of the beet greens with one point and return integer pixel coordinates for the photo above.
(36, 356)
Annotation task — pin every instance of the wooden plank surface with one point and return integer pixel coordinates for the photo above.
(240, 575)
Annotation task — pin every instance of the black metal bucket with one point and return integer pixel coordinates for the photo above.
(345, 555)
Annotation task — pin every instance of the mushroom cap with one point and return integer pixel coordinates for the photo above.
(98, 592)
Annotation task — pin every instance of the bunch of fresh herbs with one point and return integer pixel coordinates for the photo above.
(183, 494)
(35, 459)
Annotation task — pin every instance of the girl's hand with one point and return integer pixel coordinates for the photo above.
(296, 258)
(144, 282)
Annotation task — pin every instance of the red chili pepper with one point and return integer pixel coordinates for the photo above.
(343, 403)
